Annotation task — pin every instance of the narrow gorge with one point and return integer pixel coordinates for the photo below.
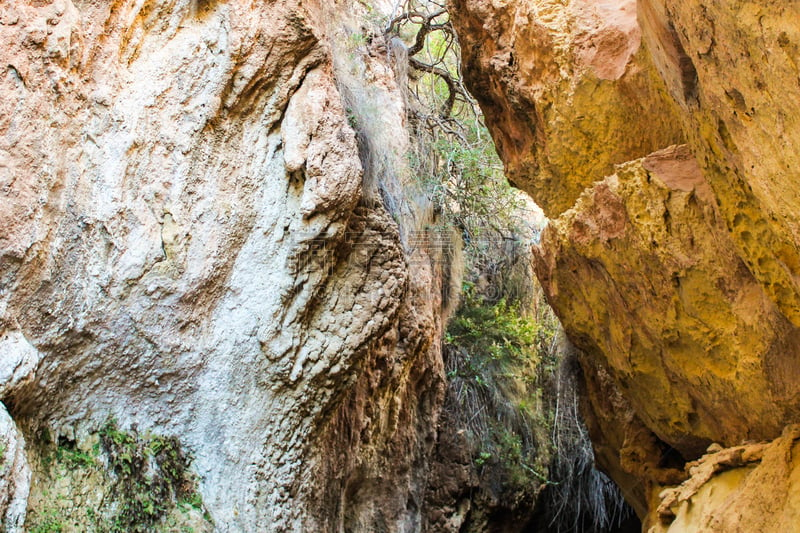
(261, 268)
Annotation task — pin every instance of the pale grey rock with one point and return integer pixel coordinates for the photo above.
(15, 475)
(183, 249)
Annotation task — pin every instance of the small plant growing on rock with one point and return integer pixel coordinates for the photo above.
(150, 472)
(498, 359)
(49, 522)
(115, 480)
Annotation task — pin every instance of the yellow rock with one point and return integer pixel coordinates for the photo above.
(732, 67)
(567, 89)
(736, 490)
(677, 274)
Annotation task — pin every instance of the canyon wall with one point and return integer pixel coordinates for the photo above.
(660, 138)
(196, 245)
(208, 270)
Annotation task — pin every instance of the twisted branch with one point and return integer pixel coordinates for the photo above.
(428, 24)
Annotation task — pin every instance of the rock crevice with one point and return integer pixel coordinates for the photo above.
(672, 266)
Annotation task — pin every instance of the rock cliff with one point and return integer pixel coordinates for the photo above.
(196, 244)
(215, 313)
(660, 137)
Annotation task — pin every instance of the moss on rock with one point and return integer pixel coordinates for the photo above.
(114, 480)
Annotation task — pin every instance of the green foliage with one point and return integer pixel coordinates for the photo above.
(150, 472)
(452, 157)
(357, 40)
(500, 331)
(141, 479)
(498, 360)
(482, 458)
(68, 454)
(467, 186)
(48, 521)
(499, 346)
(193, 500)
(352, 118)
(522, 465)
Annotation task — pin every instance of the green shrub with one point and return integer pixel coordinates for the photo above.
(49, 521)
(497, 346)
(498, 359)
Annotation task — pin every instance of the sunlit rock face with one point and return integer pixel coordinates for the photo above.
(660, 296)
(185, 247)
(676, 270)
(563, 86)
(732, 69)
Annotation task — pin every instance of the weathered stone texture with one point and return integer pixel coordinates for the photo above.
(563, 85)
(753, 487)
(676, 274)
(185, 247)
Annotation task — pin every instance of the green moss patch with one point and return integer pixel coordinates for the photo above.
(114, 480)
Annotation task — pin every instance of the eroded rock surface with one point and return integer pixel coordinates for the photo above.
(676, 274)
(676, 309)
(563, 85)
(753, 487)
(15, 475)
(186, 248)
(732, 69)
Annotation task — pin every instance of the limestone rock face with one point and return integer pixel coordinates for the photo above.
(669, 317)
(675, 309)
(675, 272)
(15, 475)
(726, 485)
(563, 84)
(186, 247)
(732, 69)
